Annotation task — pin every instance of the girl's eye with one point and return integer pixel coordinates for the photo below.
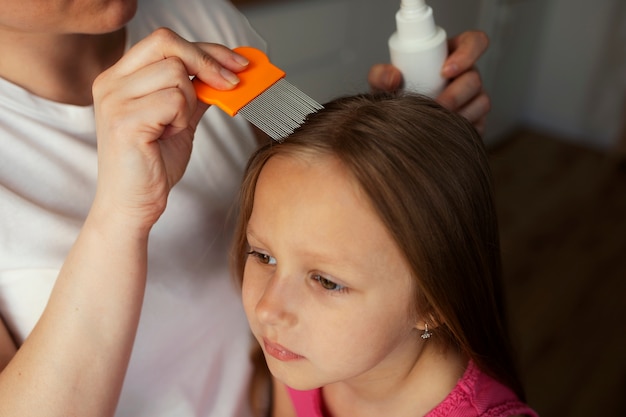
(263, 258)
(328, 284)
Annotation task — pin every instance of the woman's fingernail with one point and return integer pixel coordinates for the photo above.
(229, 76)
(241, 60)
(394, 80)
(450, 70)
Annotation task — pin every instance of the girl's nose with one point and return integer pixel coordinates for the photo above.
(275, 306)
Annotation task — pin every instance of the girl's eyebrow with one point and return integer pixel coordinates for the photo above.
(250, 233)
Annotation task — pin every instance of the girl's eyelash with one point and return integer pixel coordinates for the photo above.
(262, 257)
(325, 283)
(329, 285)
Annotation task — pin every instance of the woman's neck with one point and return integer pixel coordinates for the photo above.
(414, 393)
(60, 68)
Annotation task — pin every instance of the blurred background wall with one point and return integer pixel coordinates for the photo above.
(553, 65)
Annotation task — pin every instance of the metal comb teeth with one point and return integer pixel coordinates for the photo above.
(280, 109)
(263, 97)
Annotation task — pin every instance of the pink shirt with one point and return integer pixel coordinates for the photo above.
(475, 395)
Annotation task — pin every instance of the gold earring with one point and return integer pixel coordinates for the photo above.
(426, 333)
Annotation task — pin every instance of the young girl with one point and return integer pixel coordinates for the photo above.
(368, 251)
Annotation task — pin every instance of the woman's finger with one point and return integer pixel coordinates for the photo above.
(214, 64)
(461, 90)
(464, 50)
(476, 110)
(161, 75)
(384, 77)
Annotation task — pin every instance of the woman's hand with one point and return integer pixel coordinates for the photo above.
(146, 115)
(464, 92)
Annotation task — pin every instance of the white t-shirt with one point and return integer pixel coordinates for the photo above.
(191, 356)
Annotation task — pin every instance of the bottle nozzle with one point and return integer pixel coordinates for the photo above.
(412, 5)
(415, 20)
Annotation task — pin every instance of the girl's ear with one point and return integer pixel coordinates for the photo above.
(427, 320)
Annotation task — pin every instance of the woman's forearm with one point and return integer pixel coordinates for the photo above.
(74, 361)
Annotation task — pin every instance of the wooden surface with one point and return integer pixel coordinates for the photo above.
(562, 212)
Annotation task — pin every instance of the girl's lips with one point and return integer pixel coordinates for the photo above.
(279, 352)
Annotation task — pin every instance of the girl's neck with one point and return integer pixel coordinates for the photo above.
(60, 68)
(428, 382)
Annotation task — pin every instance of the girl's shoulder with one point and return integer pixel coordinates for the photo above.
(479, 395)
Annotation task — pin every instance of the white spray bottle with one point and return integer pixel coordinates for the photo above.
(418, 48)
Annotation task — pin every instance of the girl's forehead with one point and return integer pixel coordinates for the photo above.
(308, 177)
(316, 209)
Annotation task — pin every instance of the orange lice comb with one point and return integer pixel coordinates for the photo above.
(263, 96)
